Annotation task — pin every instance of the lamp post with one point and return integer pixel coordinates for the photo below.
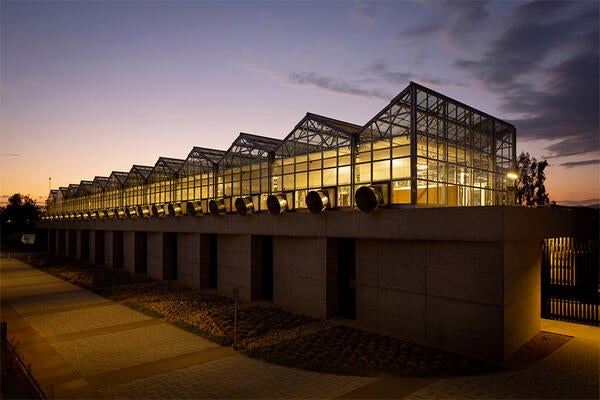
(511, 192)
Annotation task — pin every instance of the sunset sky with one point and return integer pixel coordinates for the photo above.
(93, 87)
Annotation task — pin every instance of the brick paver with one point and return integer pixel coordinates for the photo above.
(84, 346)
(98, 354)
(48, 302)
(237, 377)
(59, 323)
(571, 372)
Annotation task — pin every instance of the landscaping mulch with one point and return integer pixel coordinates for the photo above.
(347, 350)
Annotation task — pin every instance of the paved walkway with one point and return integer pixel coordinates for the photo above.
(81, 345)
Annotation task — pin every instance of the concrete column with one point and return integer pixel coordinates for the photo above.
(113, 249)
(71, 241)
(97, 242)
(134, 252)
(162, 250)
(303, 269)
(52, 246)
(108, 249)
(61, 242)
(83, 245)
(234, 261)
(192, 260)
(522, 293)
(77, 244)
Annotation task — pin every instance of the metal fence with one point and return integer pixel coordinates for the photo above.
(570, 269)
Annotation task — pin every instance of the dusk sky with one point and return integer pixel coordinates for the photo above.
(88, 88)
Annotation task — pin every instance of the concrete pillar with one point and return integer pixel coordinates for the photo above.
(303, 271)
(77, 244)
(61, 242)
(72, 236)
(162, 255)
(108, 249)
(52, 246)
(234, 260)
(134, 252)
(97, 242)
(113, 249)
(83, 245)
(193, 257)
(522, 293)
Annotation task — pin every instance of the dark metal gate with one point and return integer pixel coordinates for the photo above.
(570, 280)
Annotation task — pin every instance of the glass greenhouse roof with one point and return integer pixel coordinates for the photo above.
(247, 148)
(200, 160)
(138, 175)
(165, 168)
(316, 132)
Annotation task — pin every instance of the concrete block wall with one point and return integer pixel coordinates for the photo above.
(302, 272)
(475, 298)
(155, 255)
(522, 288)
(234, 262)
(129, 251)
(108, 249)
(464, 279)
(188, 257)
(78, 244)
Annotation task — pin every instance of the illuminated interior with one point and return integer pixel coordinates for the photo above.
(426, 148)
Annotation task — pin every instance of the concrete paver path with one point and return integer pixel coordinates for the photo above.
(81, 345)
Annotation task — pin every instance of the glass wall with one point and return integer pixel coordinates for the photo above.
(317, 154)
(244, 169)
(113, 196)
(196, 177)
(384, 150)
(97, 192)
(162, 180)
(134, 188)
(457, 153)
(82, 196)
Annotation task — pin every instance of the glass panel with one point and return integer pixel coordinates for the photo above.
(344, 175)
(401, 192)
(381, 170)
(314, 179)
(401, 168)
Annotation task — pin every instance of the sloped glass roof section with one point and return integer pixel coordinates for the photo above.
(52, 196)
(84, 188)
(247, 148)
(116, 180)
(138, 175)
(393, 120)
(165, 169)
(71, 191)
(315, 133)
(200, 160)
(99, 183)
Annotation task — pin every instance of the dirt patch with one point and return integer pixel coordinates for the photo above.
(539, 347)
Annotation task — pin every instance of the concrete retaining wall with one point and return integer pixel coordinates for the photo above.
(463, 279)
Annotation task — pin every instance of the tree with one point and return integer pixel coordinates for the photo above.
(19, 216)
(530, 188)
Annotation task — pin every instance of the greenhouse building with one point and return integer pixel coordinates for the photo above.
(405, 224)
